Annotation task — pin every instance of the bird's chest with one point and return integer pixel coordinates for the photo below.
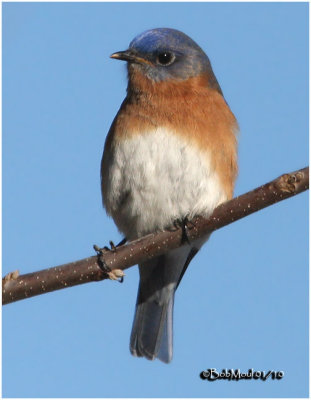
(156, 178)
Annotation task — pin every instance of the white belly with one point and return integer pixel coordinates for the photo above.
(155, 178)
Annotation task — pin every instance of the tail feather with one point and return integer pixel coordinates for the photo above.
(152, 332)
(165, 353)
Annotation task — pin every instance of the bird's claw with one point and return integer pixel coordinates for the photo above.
(113, 274)
(112, 247)
(185, 224)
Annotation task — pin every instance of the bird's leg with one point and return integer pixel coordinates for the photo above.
(185, 224)
(177, 223)
(113, 247)
(116, 274)
(184, 227)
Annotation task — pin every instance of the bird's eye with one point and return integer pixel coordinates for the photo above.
(165, 58)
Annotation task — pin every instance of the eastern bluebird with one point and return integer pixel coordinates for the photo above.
(170, 154)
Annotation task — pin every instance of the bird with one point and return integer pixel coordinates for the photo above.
(170, 155)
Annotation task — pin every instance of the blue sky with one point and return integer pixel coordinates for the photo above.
(243, 302)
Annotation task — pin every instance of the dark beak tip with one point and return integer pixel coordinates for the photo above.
(122, 55)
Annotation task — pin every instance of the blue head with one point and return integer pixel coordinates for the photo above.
(165, 54)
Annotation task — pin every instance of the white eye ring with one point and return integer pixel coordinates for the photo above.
(165, 58)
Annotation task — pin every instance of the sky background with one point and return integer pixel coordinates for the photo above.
(243, 302)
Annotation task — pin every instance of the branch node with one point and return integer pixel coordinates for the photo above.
(288, 182)
(11, 276)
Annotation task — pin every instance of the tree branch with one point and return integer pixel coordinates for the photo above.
(17, 287)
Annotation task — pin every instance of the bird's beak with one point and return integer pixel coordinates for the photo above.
(126, 55)
(130, 56)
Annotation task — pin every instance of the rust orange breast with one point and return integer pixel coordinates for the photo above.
(190, 109)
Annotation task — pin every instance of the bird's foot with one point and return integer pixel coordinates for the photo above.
(113, 274)
(112, 248)
(185, 224)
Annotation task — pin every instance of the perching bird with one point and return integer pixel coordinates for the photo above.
(170, 154)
